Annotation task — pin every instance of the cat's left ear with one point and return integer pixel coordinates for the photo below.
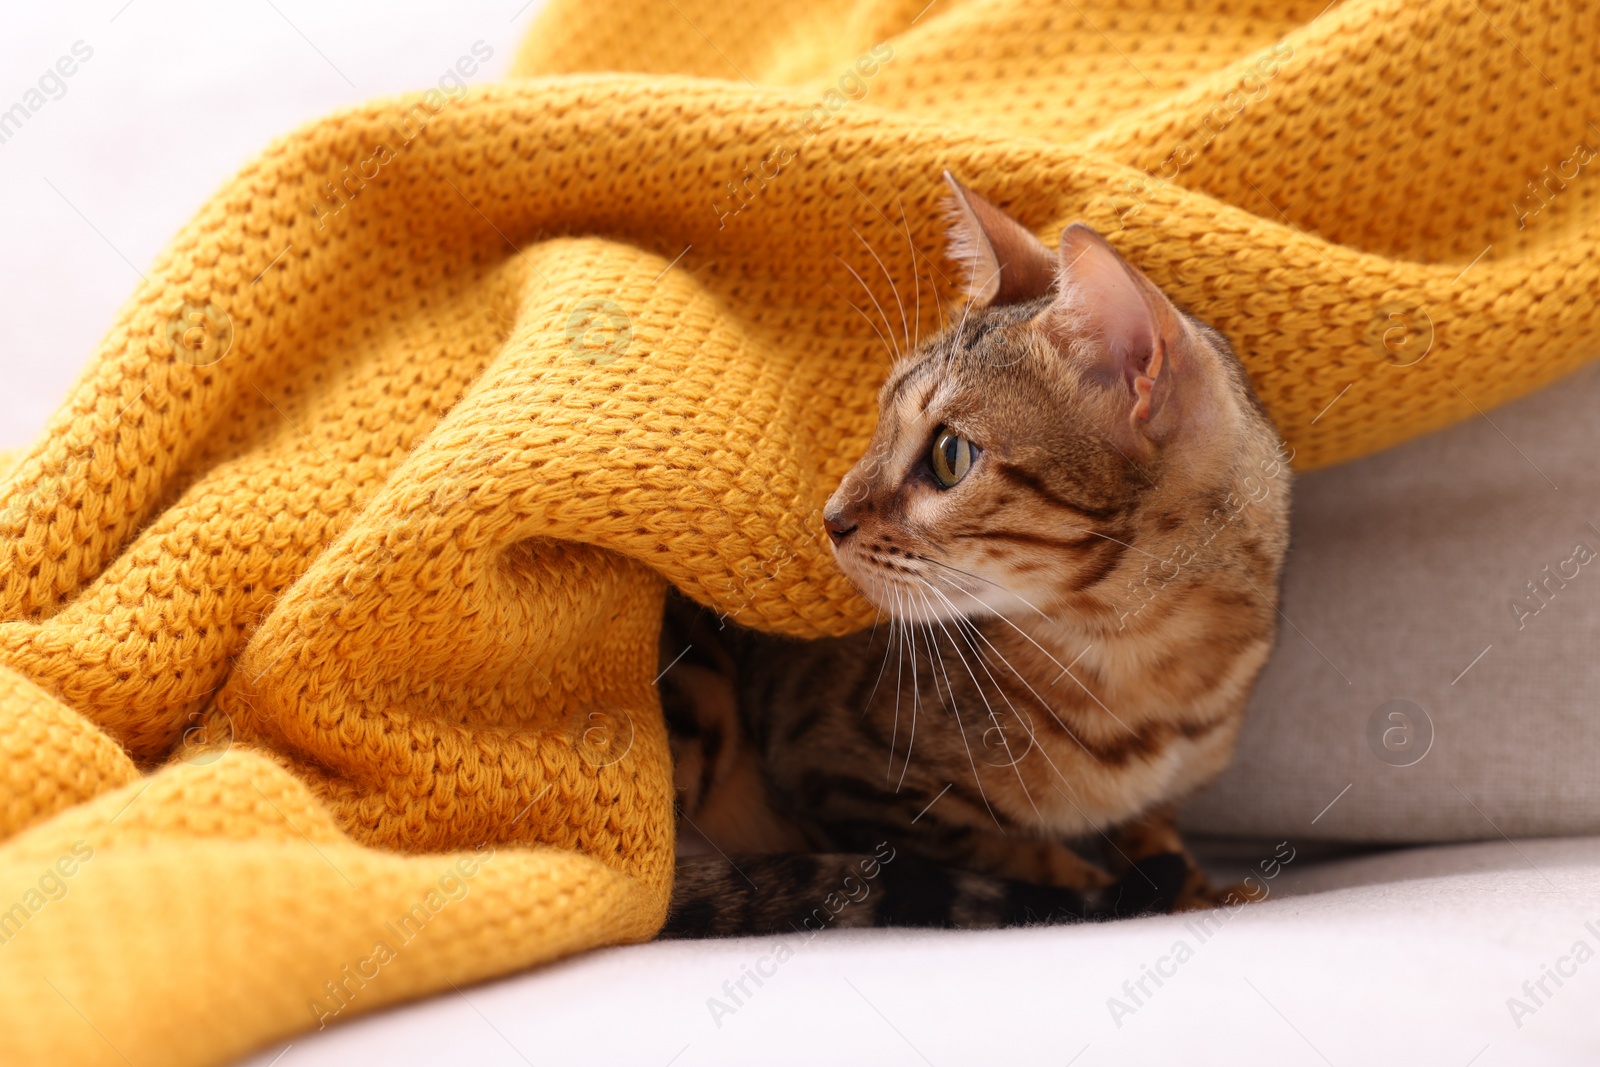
(1131, 337)
(1006, 263)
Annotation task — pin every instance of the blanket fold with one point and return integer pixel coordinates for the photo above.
(329, 599)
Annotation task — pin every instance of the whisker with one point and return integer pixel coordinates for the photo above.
(1124, 544)
(895, 289)
(962, 325)
(1032, 735)
(906, 765)
(956, 570)
(1064, 669)
(986, 705)
(916, 673)
(986, 581)
(916, 275)
(1023, 679)
(873, 297)
(889, 643)
(899, 668)
(894, 354)
(961, 732)
(908, 632)
(938, 306)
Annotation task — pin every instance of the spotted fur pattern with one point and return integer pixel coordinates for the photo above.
(1072, 629)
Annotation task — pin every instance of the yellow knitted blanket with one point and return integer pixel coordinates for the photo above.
(329, 599)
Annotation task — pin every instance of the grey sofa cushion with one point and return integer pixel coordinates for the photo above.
(1437, 667)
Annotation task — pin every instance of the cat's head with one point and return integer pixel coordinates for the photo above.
(1071, 424)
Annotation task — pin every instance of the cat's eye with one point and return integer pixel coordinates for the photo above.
(951, 457)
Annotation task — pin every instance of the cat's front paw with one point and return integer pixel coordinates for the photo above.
(1200, 895)
(1152, 886)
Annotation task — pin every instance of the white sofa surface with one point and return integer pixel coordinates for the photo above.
(1408, 957)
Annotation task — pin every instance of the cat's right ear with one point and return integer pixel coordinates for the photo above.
(1006, 263)
(1130, 338)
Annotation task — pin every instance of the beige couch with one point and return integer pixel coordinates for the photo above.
(1400, 588)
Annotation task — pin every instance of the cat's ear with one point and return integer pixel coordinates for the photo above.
(1006, 263)
(1132, 337)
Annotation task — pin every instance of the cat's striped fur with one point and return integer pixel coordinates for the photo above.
(1076, 623)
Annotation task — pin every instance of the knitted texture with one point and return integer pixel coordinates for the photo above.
(345, 555)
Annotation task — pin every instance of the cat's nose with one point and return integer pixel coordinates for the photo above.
(839, 524)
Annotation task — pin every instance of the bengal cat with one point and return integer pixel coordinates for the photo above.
(1074, 512)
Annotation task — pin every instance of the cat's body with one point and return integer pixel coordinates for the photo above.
(1074, 512)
